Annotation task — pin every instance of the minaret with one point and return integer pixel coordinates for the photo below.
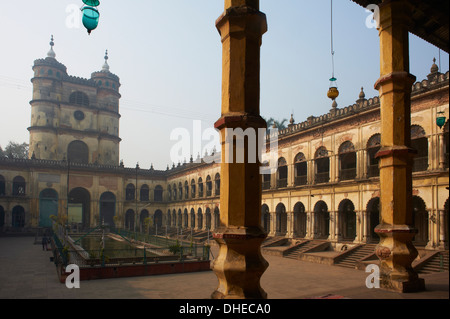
(108, 97)
(47, 95)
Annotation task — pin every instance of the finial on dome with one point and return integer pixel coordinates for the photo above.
(291, 120)
(334, 105)
(362, 95)
(434, 67)
(51, 53)
(105, 67)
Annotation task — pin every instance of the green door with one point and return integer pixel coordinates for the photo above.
(48, 205)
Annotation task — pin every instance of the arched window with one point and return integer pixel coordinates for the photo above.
(322, 165)
(169, 218)
(300, 169)
(420, 221)
(193, 188)
(321, 220)
(79, 98)
(200, 187)
(373, 211)
(347, 161)
(216, 217)
(192, 218)
(18, 217)
(19, 186)
(281, 219)
(174, 218)
(347, 219)
(282, 173)
(129, 192)
(169, 192)
(174, 191)
(158, 193)
(180, 219)
(186, 218)
(419, 142)
(186, 190)
(199, 219)
(107, 208)
(208, 186)
(208, 218)
(143, 221)
(78, 152)
(158, 220)
(300, 220)
(180, 191)
(2, 186)
(80, 204)
(266, 176)
(217, 184)
(373, 146)
(144, 193)
(129, 220)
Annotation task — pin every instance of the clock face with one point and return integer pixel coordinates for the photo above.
(79, 115)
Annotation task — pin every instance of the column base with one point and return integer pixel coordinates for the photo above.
(402, 286)
(239, 265)
(396, 253)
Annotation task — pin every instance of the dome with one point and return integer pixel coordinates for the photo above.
(51, 53)
(434, 67)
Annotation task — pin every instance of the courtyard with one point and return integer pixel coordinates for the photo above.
(27, 273)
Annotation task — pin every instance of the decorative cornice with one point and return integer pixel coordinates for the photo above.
(438, 81)
(59, 130)
(64, 166)
(50, 62)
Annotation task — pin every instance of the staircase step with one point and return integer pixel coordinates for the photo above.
(357, 254)
(438, 263)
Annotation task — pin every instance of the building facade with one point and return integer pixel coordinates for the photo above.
(326, 185)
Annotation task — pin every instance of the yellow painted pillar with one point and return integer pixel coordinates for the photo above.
(395, 250)
(240, 265)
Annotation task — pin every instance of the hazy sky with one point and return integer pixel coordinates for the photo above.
(168, 57)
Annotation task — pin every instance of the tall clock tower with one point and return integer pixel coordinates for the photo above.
(74, 118)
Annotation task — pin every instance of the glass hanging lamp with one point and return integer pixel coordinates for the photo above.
(440, 119)
(333, 91)
(90, 14)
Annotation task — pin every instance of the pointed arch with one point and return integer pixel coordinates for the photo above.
(300, 220)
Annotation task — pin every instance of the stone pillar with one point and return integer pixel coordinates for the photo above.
(365, 226)
(336, 226)
(395, 250)
(290, 225)
(441, 223)
(309, 225)
(273, 224)
(240, 265)
(334, 168)
(431, 230)
(441, 151)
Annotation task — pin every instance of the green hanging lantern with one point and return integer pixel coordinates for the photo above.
(90, 18)
(90, 14)
(440, 119)
(92, 3)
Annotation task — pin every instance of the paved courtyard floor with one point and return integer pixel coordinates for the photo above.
(27, 273)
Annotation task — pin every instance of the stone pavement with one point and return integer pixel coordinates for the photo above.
(27, 273)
